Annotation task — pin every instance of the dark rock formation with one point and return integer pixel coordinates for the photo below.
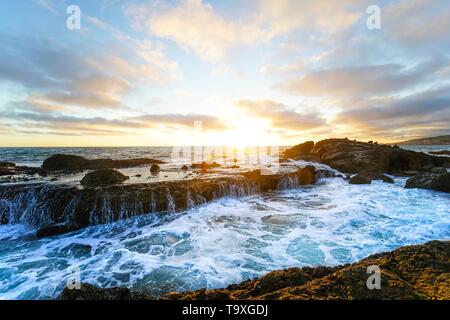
(438, 170)
(103, 177)
(355, 157)
(184, 168)
(59, 208)
(433, 181)
(366, 177)
(299, 150)
(155, 169)
(90, 292)
(205, 166)
(11, 169)
(6, 164)
(443, 152)
(411, 272)
(68, 163)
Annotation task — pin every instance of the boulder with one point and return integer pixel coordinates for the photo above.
(307, 175)
(184, 168)
(64, 162)
(6, 164)
(103, 177)
(433, 181)
(299, 150)
(155, 169)
(205, 166)
(355, 157)
(366, 177)
(443, 152)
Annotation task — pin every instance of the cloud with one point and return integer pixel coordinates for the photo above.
(361, 81)
(86, 78)
(44, 119)
(270, 69)
(198, 26)
(417, 114)
(285, 16)
(418, 23)
(280, 116)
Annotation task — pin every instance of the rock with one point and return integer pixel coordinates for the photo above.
(438, 170)
(205, 166)
(366, 177)
(184, 168)
(299, 150)
(433, 181)
(427, 167)
(6, 164)
(409, 173)
(55, 229)
(443, 152)
(355, 157)
(155, 169)
(411, 272)
(103, 177)
(63, 162)
(90, 292)
(307, 175)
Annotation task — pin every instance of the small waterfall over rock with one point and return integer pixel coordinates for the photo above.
(63, 208)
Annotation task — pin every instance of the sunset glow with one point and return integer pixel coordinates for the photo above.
(254, 73)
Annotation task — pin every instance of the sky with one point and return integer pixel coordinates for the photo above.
(234, 73)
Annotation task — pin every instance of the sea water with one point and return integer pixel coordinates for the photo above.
(226, 241)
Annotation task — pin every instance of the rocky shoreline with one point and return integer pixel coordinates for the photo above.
(418, 272)
(102, 197)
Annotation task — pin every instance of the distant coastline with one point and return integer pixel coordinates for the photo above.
(440, 140)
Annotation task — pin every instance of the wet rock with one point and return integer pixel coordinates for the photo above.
(410, 272)
(60, 162)
(438, 170)
(55, 229)
(307, 175)
(90, 292)
(69, 163)
(433, 181)
(367, 177)
(355, 157)
(103, 177)
(155, 169)
(443, 152)
(205, 166)
(6, 164)
(409, 173)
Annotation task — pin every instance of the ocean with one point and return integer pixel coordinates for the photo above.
(222, 242)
